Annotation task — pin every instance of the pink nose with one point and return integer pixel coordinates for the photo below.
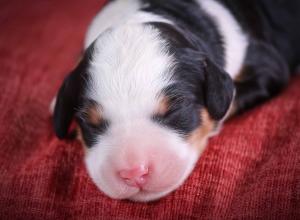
(135, 177)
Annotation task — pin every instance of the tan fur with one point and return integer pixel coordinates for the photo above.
(80, 138)
(163, 106)
(93, 116)
(198, 138)
(93, 113)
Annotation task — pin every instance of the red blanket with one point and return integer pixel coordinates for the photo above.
(251, 170)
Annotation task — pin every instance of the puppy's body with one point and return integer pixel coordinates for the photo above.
(248, 33)
(158, 78)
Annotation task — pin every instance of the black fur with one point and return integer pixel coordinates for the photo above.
(68, 99)
(274, 50)
(273, 53)
(274, 22)
(263, 75)
(200, 84)
(203, 83)
(195, 42)
(191, 22)
(90, 131)
(70, 96)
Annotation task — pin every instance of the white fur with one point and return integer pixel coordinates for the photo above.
(117, 13)
(235, 40)
(112, 14)
(130, 68)
(140, 141)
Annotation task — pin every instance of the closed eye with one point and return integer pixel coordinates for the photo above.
(91, 131)
(159, 117)
(99, 128)
(91, 121)
(182, 119)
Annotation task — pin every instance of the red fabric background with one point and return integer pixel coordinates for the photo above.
(251, 170)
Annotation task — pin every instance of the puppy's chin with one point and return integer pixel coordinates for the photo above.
(122, 192)
(148, 196)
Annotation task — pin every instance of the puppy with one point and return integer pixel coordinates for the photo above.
(158, 78)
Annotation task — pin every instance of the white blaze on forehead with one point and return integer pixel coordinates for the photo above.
(114, 13)
(130, 67)
(120, 12)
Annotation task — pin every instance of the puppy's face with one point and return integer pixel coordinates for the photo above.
(145, 111)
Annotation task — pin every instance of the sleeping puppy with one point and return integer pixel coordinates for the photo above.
(158, 78)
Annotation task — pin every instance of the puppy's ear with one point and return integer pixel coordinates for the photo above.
(68, 100)
(218, 89)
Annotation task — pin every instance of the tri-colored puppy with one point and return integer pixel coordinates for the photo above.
(158, 78)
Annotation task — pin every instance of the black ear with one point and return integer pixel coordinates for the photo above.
(218, 90)
(68, 100)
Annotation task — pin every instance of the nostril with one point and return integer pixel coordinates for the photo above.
(136, 176)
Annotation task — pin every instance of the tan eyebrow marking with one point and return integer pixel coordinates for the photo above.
(199, 137)
(163, 105)
(93, 113)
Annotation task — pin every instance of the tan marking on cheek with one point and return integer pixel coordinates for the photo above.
(80, 138)
(163, 106)
(199, 137)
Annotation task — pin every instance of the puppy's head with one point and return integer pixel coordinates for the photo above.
(145, 106)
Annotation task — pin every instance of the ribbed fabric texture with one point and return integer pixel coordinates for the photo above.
(250, 171)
